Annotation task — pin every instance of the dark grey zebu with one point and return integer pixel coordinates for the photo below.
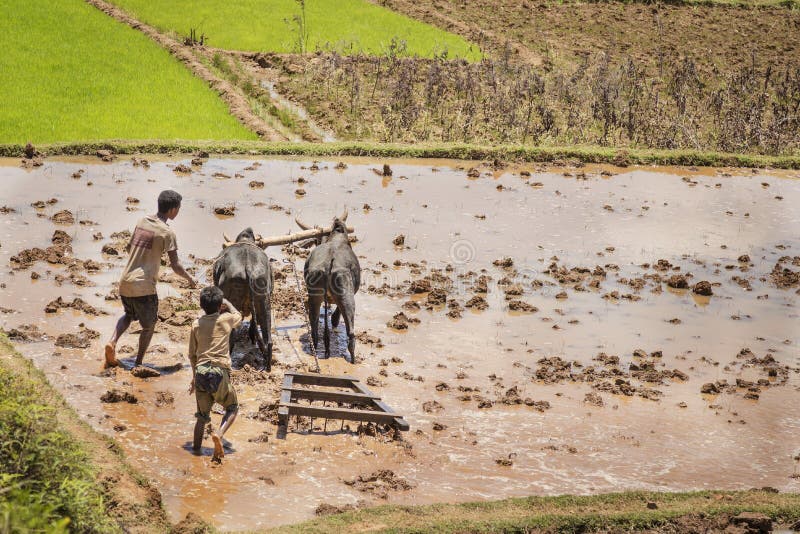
(244, 274)
(333, 275)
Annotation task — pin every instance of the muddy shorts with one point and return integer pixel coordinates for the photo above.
(213, 384)
(143, 309)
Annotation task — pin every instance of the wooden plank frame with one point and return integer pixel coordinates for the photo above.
(378, 412)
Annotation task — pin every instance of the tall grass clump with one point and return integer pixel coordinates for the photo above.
(46, 479)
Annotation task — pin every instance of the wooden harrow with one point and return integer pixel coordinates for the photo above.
(364, 405)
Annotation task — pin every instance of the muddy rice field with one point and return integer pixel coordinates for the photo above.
(543, 329)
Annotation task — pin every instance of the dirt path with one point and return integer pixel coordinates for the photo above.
(236, 102)
(130, 498)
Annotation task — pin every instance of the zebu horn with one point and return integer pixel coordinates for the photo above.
(302, 224)
(228, 242)
(343, 218)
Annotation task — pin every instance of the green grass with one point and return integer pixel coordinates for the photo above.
(586, 154)
(46, 479)
(71, 73)
(624, 512)
(268, 26)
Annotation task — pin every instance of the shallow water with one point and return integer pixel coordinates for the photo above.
(716, 441)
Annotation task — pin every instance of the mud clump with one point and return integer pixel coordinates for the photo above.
(783, 277)
(182, 168)
(55, 255)
(420, 285)
(164, 398)
(255, 184)
(105, 155)
(432, 406)
(379, 483)
(703, 288)
(520, 306)
(593, 398)
(115, 395)
(437, 297)
(477, 303)
(140, 371)
(677, 281)
(60, 237)
(81, 340)
(25, 333)
(399, 240)
(77, 304)
(63, 217)
(505, 263)
(227, 211)
(401, 321)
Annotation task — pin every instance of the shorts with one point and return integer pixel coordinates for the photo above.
(143, 309)
(210, 377)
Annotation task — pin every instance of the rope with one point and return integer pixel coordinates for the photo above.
(305, 316)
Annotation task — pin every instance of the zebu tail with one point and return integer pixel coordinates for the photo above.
(326, 332)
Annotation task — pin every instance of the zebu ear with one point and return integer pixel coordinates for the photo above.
(302, 224)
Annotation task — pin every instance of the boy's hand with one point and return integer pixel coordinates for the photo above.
(223, 308)
(192, 283)
(191, 387)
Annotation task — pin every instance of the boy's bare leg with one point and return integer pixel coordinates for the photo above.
(199, 429)
(145, 336)
(111, 347)
(227, 421)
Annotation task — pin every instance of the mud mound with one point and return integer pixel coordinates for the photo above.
(115, 395)
(401, 321)
(379, 483)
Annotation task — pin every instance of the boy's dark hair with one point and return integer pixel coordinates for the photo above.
(168, 199)
(211, 299)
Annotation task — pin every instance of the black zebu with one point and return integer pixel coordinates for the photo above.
(244, 274)
(333, 274)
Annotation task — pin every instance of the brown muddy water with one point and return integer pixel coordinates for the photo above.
(481, 438)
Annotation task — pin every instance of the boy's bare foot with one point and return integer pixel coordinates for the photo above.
(111, 356)
(219, 453)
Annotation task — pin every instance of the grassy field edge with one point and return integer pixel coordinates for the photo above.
(111, 491)
(613, 512)
(587, 154)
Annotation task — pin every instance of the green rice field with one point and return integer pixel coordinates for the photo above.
(72, 73)
(347, 26)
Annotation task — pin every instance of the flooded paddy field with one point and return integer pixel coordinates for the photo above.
(543, 329)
